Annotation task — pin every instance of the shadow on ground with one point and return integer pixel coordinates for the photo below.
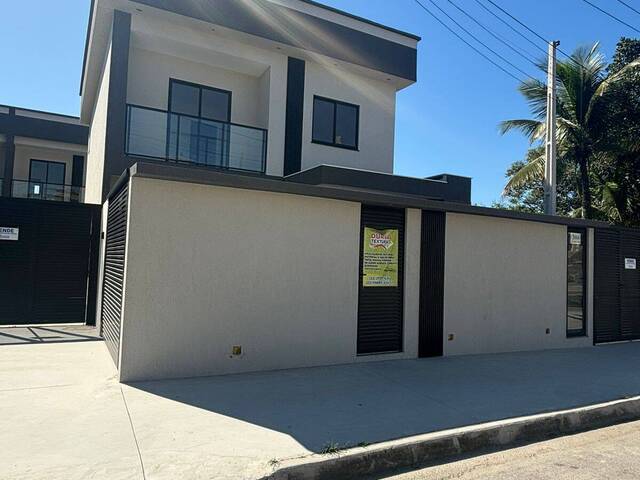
(373, 402)
(33, 334)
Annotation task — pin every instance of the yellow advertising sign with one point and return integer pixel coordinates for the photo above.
(380, 258)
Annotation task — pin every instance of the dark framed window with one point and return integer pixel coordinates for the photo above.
(199, 101)
(576, 282)
(335, 123)
(198, 129)
(44, 171)
(46, 179)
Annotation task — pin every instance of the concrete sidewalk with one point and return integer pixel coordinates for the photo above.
(65, 416)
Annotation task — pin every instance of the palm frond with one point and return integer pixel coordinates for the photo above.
(533, 170)
(533, 129)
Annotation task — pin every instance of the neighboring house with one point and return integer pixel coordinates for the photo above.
(42, 155)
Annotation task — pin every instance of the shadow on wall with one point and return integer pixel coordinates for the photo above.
(372, 402)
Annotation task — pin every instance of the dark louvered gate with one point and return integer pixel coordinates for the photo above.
(380, 309)
(47, 268)
(616, 285)
(114, 265)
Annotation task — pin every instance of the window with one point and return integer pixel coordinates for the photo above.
(576, 282)
(46, 179)
(335, 123)
(198, 128)
(199, 101)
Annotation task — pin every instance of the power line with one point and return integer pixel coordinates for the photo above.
(534, 32)
(477, 39)
(466, 42)
(610, 15)
(494, 35)
(511, 27)
(629, 7)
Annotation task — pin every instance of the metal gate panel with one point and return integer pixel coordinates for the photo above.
(45, 273)
(380, 309)
(616, 289)
(630, 285)
(113, 272)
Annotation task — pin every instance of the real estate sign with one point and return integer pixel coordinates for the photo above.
(9, 233)
(380, 258)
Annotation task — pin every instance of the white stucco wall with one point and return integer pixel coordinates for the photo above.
(150, 72)
(505, 284)
(377, 101)
(212, 267)
(97, 137)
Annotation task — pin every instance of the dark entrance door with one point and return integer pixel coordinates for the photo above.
(48, 271)
(616, 285)
(381, 299)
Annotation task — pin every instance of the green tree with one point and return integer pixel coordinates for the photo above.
(584, 87)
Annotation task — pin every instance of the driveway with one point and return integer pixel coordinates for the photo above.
(65, 417)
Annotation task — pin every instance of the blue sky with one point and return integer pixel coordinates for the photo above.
(447, 122)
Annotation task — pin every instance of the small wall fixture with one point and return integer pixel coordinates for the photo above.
(236, 350)
(450, 337)
(548, 331)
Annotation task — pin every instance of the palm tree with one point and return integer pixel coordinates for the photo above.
(582, 84)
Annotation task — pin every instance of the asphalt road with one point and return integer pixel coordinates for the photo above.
(609, 453)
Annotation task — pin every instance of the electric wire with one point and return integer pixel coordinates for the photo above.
(493, 34)
(610, 15)
(629, 6)
(466, 42)
(511, 27)
(444, 12)
(567, 55)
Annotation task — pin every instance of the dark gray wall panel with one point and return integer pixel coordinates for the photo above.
(294, 116)
(432, 254)
(115, 161)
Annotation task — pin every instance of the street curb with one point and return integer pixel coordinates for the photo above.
(433, 447)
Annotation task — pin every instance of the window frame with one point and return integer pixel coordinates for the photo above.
(173, 81)
(585, 297)
(48, 162)
(335, 111)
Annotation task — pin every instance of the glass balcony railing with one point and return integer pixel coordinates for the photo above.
(46, 191)
(164, 135)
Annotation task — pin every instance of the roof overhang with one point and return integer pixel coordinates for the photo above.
(300, 24)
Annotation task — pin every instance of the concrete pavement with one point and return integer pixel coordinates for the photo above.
(65, 416)
(608, 453)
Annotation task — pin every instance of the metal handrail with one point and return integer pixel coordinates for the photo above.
(163, 141)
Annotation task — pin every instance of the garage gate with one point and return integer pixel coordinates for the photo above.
(49, 260)
(616, 285)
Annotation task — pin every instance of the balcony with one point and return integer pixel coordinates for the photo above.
(46, 191)
(158, 134)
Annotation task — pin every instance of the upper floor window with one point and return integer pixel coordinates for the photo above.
(200, 101)
(335, 123)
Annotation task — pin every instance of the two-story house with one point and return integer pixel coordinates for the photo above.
(243, 151)
(269, 87)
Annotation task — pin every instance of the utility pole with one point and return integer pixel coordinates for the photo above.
(550, 167)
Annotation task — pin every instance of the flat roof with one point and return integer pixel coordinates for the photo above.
(224, 178)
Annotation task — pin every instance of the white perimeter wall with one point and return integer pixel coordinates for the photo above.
(213, 267)
(505, 284)
(377, 101)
